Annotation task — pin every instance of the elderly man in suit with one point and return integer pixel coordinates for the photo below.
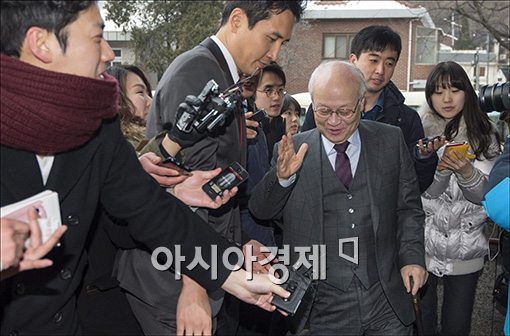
(349, 180)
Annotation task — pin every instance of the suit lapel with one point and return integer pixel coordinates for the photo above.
(20, 173)
(371, 154)
(69, 167)
(216, 51)
(311, 177)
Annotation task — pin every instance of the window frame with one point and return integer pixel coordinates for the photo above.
(348, 36)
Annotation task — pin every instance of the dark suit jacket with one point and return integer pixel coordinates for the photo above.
(187, 75)
(103, 171)
(397, 214)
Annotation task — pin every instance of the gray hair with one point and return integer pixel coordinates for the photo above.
(329, 67)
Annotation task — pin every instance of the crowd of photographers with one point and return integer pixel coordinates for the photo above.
(222, 106)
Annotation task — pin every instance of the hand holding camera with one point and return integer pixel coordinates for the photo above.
(185, 112)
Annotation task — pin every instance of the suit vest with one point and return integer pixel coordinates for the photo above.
(347, 216)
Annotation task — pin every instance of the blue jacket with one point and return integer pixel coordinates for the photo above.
(497, 198)
(398, 114)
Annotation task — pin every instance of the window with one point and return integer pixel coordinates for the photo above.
(336, 46)
(426, 45)
(118, 57)
(481, 69)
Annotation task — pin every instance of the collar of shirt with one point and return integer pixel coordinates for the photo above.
(228, 57)
(45, 164)
(353, 150)
(376, 109)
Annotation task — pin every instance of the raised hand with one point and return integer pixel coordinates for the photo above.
(289, 161)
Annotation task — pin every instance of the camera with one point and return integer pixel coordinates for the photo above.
(209, 110)
(298, 283)
(494, 97)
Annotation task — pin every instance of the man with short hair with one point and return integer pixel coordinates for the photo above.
(269, 96)
(375, 50)
(60, 131)
(250, 36)
(351, 186)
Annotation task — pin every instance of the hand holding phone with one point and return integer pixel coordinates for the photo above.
(455, 157)
(173, 163)
(230, 177)
(259, 115)
(461, 148)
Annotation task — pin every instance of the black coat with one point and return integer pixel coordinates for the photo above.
(105, 171)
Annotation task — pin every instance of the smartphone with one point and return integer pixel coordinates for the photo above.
(462, 148)
(230, 177)
(259, 115)
(173, 163)
(426, 140)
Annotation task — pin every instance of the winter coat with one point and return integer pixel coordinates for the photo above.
(455, 242)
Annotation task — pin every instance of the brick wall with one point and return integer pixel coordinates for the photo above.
(304, 52)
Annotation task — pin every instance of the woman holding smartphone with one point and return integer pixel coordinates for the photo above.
(455, 243)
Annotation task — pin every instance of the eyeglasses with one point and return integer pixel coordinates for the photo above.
(271, 91)
(325, 112)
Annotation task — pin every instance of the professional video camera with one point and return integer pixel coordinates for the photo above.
(210, 109)
(204, 115)
(494, 97)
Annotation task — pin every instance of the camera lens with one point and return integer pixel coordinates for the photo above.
(495, 97)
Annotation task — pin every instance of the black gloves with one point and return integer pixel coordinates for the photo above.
(185, 116)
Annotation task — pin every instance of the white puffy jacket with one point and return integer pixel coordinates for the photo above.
(455, 242)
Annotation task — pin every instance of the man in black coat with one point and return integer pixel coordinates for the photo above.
(375, 50)
(60, 131)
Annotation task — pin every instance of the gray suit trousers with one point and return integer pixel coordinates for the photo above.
(357, 311)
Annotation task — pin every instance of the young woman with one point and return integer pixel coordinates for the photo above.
(455, 243)
(135, 101)
(291, 111)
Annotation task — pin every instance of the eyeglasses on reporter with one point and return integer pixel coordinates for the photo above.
(280, 92)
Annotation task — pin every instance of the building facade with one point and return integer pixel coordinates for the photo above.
(327, 28)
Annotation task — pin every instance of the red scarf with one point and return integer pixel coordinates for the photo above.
(48, 112)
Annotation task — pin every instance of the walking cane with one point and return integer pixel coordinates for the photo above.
(417, 309)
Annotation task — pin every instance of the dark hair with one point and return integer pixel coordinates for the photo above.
(273, 67)
(261, 10)
(376, 38)
(53, 15)
(288, 101)
(478, 125)
(126, 108)
(137, 71)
